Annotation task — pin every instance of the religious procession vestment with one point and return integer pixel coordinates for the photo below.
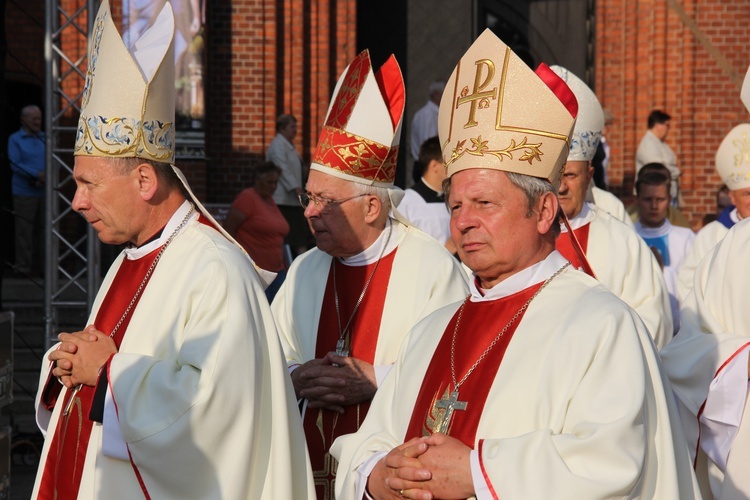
(706, 239)
(198, 403)
(625, 265)
(609, 203)
(576, 409)
(426, 209)
(673, 243)
(707, 363)
(415, 277)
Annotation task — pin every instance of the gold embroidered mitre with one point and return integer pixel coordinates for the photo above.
(127, 109)
(733, 158)
(497, 113)
(360, 136)
(590, 120)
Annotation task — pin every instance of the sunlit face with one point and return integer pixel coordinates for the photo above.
(105, 197)
(491, 226)
(340, 228)
(265, 184)
(741, 199)
(653, 204)
(573, 185)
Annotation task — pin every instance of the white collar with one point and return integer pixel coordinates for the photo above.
(374, 251)
(585, 216)
(176, 219)
(734, 216)
(653, 232)
(438, 191)
(520, 281)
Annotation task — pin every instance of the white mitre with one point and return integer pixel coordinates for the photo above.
(590, 120)
(127, 109)
(745, 92)
(733, 158)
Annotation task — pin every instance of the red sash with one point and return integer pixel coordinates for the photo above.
(65, 459)
(564, 245)
(480, 324)
(322, 427)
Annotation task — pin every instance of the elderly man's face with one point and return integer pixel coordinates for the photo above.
(573, 186)
(339, 228)
(106, 199)
(491, 226)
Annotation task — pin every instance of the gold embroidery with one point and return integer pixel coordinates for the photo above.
(743, 155)
(480, 147)
(478, 94)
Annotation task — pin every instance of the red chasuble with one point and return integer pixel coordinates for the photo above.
(480, 324)
(564, 245)
(64, 466)
(322, 427)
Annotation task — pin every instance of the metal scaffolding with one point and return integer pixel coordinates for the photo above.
(73, 250)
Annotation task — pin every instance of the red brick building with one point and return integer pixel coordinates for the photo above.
(266, 57)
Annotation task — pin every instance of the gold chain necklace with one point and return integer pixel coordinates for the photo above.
(450, 402)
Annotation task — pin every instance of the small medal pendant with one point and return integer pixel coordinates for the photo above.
(340, 350)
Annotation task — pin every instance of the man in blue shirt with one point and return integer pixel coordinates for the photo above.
(26, 154)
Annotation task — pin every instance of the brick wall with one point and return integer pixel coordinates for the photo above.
(685, 57)
(266, 58)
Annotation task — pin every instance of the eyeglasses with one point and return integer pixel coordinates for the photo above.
(322, 203)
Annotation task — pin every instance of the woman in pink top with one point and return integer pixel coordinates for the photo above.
(256, 223)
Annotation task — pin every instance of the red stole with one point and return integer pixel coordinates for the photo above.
(323, 426)
(65, 459)
(480, 324)
(564, 245)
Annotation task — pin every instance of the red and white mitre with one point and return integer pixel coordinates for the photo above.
(360, 136)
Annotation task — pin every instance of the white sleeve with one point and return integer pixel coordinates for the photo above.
(722, 413)
(113, 444)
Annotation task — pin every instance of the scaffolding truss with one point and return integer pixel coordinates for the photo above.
(73, 251)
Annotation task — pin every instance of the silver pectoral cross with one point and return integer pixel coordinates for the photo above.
(449, 403)
(340, 348)
(69, 406)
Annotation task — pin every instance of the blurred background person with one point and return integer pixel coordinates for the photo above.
(26, 155)
(256, 222)
(282, 153)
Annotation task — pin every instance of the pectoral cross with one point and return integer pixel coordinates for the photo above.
(340, 348)
(449, 403)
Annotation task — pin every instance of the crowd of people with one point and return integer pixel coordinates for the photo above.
(502, 329)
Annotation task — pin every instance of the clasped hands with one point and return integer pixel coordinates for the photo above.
(424, 468)
(80, 356)
(333, 382)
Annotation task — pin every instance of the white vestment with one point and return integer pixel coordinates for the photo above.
(609, 203)
(577, 409)
(424, 277)
(205, 405)
(431, 217)
(707, 363)
(651, 149)
(705, 241)
(673, 243)
(625, 265)
(424, 125)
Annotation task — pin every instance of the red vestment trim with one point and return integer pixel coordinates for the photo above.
(565, 245)
(322, 427)
(63, 468)
(480, 450)
(480, 324)
(703, 406)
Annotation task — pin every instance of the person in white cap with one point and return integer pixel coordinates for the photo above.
(346, 305)
(707, 363)
(177, 387)
(733, 166)
(541, 384)
(615, 254)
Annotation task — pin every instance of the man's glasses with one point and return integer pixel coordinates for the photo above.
(322, 203)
